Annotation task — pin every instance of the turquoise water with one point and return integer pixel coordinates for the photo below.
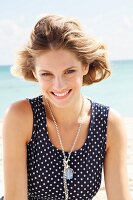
(116, 91)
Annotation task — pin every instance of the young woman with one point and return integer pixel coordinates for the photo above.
(55, 145)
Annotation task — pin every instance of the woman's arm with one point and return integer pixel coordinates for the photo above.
(115, 165)
(16, 127)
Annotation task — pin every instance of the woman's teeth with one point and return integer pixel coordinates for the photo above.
(60, 94)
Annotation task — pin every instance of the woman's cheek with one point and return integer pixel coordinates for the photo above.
(45, 85)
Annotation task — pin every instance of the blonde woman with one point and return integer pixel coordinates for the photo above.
(56, 144)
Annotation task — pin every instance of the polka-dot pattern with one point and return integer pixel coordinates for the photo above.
(45, 161)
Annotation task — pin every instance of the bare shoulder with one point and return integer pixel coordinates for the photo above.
(116, 131)
(18, 107)
(115, 163)
(114, 118)
(19, 117)
(17, 127)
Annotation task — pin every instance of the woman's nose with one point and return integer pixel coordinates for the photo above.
(59, 84)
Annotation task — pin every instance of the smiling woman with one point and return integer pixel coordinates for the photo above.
(56, 145)
(63, 75)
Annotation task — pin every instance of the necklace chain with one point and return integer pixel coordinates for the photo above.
(65, 160)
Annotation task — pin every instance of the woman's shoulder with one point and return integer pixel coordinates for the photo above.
(116, 131)
(115, 119)
(18, 109)
(18, 118)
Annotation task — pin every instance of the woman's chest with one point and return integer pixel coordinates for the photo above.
(74, 136)
(45, 177)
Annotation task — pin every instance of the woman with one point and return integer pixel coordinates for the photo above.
(56, 144)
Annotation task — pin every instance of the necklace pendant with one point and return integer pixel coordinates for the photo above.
(68, 172)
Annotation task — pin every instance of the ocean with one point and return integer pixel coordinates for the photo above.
(116, 91)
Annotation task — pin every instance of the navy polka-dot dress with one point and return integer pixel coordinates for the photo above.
(45, 161)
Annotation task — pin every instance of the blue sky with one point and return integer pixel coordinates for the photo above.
(109, 21)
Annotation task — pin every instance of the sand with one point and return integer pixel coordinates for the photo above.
(101, 195)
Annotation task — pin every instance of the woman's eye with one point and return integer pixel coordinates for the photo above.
(46, 74)
(70, 71)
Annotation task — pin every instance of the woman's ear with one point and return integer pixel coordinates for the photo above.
(85, 69)
(34, 73)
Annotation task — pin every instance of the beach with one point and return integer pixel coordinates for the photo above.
(101, 195)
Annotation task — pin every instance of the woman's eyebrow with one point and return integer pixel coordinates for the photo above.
(44, 70)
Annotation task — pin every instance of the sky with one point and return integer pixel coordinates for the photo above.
(109, 21)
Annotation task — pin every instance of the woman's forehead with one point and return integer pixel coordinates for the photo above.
(56, 58)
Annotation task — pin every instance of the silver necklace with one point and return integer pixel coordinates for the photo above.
(68, 171)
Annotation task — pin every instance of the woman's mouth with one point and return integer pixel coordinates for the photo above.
(63, 94)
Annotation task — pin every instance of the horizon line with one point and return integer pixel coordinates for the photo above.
(111, 60)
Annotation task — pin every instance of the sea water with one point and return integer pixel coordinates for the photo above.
(116, 91)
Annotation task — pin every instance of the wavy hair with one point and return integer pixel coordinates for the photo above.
(59, 32)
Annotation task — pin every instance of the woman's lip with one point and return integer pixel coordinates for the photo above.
(61, 95)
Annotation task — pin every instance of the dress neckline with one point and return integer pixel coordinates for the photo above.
(87, 137)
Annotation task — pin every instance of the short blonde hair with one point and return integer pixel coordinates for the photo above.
(59, 32)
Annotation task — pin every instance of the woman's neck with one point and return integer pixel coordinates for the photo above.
(69, 115)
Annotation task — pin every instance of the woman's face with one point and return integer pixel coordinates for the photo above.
(60, 76)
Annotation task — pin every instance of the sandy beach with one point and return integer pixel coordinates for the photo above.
(101, 195)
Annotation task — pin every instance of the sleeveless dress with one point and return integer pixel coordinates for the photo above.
(45, 161)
